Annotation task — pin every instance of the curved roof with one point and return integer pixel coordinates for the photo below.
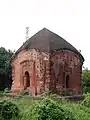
(47, 41)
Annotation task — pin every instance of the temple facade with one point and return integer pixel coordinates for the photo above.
(47, 62)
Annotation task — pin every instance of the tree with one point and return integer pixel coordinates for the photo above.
(86, 80)
(5, 68)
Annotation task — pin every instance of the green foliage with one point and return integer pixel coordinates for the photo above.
(86, 101)
(86, 80)
(4, 60)
(28, 109)
(5, 68)
(23, 93)
(6, 90)
(8, 110)
(1, 92)
(50, 110)
(48, 94)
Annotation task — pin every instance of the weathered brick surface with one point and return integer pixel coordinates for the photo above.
(47, 72)
(66, 63)
(35, 63)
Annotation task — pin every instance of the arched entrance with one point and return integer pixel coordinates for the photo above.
(26, 80)
(67, 81)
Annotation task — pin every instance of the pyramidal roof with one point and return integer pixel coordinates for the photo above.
(47, 41)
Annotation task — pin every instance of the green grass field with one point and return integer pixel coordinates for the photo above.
(26, 106)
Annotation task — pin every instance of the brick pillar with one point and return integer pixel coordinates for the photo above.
(35, 84)
(47, 76)
(21, 79)
(33, 80)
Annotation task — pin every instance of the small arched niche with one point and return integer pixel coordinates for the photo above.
(27, 79)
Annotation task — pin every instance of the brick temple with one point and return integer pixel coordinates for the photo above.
(47, 62)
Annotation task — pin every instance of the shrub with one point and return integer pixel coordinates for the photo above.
(86, 101)
(8, 110)
(6, 90)
(1, 92)
(51, 110)
(49, 94)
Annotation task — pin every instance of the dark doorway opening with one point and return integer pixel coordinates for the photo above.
(27, 79)
(67, 81)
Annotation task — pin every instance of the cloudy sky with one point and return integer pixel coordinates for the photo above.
(68, 18)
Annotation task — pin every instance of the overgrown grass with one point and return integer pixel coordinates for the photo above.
(27, 105)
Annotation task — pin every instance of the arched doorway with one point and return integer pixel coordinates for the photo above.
(26, 80)
(67, 81)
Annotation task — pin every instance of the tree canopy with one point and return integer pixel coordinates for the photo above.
(86, 80)
(5, 68)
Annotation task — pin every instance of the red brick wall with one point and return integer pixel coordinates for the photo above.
(34, 62)
(62, 64)
(47, 72)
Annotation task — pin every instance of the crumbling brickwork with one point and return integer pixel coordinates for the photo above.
(47, 72)
(37, 65)
(66, 71)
